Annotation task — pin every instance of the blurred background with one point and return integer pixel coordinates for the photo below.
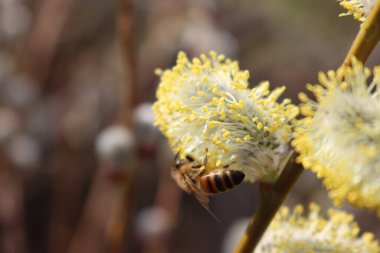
(82, 169)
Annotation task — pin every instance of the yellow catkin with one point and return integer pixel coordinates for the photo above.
(339, 138)
(208, 99)
(314, 233)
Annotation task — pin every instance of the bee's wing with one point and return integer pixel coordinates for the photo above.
(201, 197)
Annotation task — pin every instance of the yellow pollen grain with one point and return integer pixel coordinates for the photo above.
(214, 101)
(196, 61)
(158, 72)
(201, 93)
(214, 123)
(245, 119)
(216, 92)
(303, 97)
(205, 79)
(239, 141)
(218, 163)
(222, 114)
(212, 54)
(344, 85)
(247, 138)
(259, 126)
(227, 135)
(194, 98)
(221, 57)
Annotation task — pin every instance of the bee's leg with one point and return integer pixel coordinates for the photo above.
(228, 165)
(197, 169)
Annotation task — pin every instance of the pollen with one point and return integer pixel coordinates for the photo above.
(311, 232)
(247, 138)
(339, 138)
(359, 9)
(208, 99)
(214, 123)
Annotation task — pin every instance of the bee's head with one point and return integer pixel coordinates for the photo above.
(180, 162)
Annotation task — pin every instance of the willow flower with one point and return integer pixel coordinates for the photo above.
(205, 104)
(339, 138)
(359, 9)
(297, 232)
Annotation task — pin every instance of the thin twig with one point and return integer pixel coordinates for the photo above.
(127, 61)
(168, 198)
(271, 198)
(367, 38)
(45, 36)
(119, 220)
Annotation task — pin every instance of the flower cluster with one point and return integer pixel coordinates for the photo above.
(301, 233)
(205, 104)
(339, 138)
(359, 9)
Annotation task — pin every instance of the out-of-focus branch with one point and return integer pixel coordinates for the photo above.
(99, 206)
(168, 198)
(271, 198)
(12, 237)
(118, 221)
(127, 60)
(44, 37)
(367, 38)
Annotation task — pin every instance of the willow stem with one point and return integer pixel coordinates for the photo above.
(271, 198)
(367, 38)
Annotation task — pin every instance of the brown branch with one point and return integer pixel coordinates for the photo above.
(127, 60)
(271, 198)
(119, 220)
(45, 36)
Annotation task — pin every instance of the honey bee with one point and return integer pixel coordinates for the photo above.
(191, 176)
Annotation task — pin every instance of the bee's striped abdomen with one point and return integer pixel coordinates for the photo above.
(221, 181)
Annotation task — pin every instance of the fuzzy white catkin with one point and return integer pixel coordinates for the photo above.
(115, 146)
(143, 119)
(151, 222)
(24, 151)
